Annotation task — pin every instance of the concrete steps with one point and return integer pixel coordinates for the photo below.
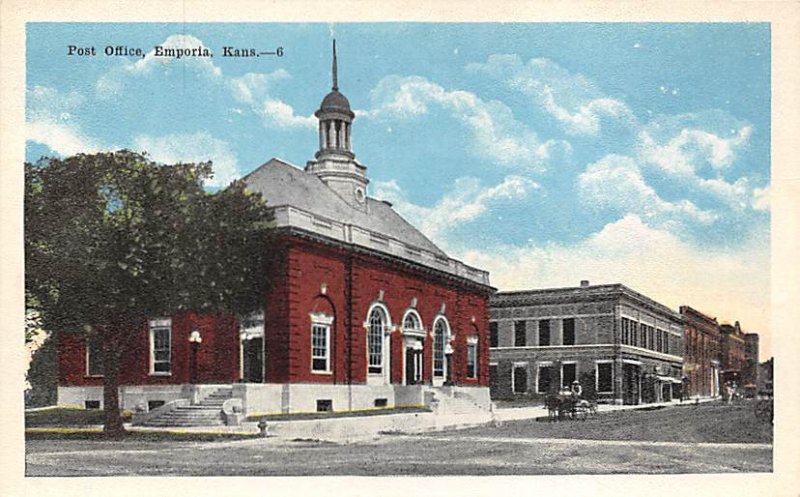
(208, 412)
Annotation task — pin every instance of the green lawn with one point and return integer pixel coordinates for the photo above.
(67, 416)
(708, 422)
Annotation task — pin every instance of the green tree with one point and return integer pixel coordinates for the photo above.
(112, 239)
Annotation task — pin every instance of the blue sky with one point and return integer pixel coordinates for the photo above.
(545, 153)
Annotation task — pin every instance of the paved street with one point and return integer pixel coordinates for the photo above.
(671, 440)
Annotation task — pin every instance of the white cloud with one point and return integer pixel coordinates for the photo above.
(197, 147)
(571, 99)
(253, 89)
(49, 121)
(730, 283)
(496, 133)
(467, 201)
(113, 81)
(680, 153)
(61, 138)
(761, 199)
(616, 183)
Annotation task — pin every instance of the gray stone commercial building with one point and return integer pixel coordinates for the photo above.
(622, 346)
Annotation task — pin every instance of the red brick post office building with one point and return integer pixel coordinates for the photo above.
(363, 310)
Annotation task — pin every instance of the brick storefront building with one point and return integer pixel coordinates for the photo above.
(701, 353)
(621, 346)
(750, 371)
(732, 352)
(363, 310)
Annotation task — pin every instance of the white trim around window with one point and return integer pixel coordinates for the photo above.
(160, 347)
(539, 366)
(514, 367)
(412, 324)
(597, 375)
(472, 357)
(441, 346)
(564, 363)
(378, 327)
(321, 343)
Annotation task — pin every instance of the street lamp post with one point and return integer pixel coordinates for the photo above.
(448, 353)
(194, 340)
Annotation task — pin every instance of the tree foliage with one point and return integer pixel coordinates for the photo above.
(114, 238)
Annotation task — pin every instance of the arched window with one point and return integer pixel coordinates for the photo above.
(441, 333)
(376, 327)
(411, 322)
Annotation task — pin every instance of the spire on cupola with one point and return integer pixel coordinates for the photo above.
(335, 86)
(335, 163)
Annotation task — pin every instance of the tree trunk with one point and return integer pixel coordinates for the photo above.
(112, 427)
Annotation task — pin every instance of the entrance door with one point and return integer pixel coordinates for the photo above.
(410, 366)
(253, 357)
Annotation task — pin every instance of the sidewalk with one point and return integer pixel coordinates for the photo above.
(352, 429)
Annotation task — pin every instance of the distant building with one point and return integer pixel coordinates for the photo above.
(750, 370)
(622, 347)
(701, 350)
(732, 352)
(765, 376)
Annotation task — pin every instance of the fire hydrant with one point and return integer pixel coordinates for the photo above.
(262, 428)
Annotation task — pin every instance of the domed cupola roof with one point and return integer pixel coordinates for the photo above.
(335, 101)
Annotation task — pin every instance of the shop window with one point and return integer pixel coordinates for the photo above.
(520, 379)
(604, 377)
(569, 373)
(544, 380)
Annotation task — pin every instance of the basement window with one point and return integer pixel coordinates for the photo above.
(154, 404)
(381, 402)
(324, 405)
(92, 404)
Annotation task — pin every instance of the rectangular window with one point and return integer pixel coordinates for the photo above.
(544, 332)
(569, 331)
(324, 405)
(161, 347)
(569, 373)
(544, 379)
(493, 380)
(493, 339)
(320, 347)
(634, 333)
(604, 377)
(94, 356)
(520, 378)
(519, 334)
(472, 360)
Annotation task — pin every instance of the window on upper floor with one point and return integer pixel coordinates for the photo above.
(569, 331)
(520, 329)
(493, 335)
(544, 332)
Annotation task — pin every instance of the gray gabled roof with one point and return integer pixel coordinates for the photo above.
(283, 184)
